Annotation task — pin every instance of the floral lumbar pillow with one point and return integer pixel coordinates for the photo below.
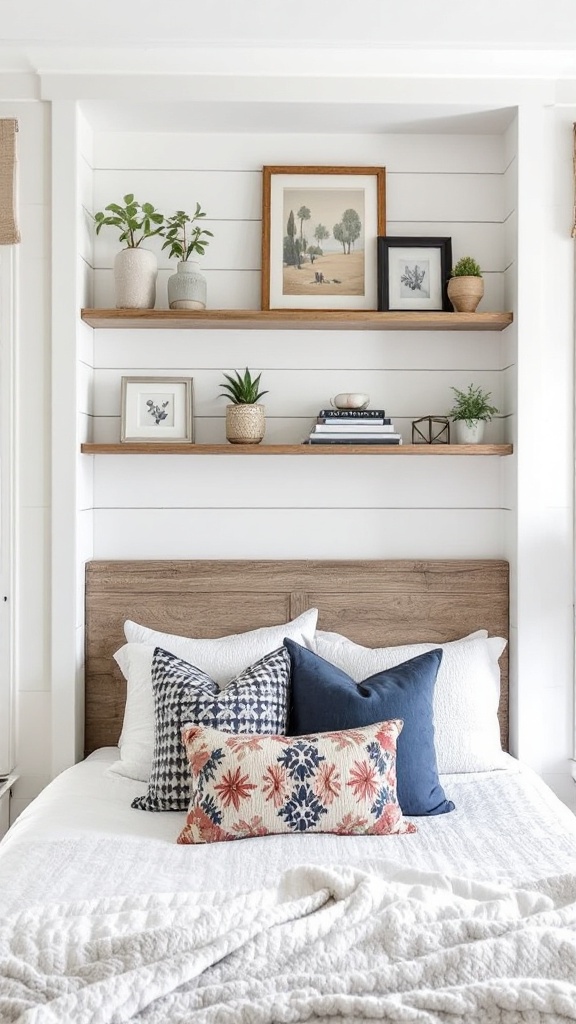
(342, 782)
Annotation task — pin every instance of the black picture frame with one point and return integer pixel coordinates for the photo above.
(427, 263)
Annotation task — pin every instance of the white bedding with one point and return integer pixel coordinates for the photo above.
(104, 918)
(80, 839)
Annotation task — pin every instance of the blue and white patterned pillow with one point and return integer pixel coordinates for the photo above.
(255, 701)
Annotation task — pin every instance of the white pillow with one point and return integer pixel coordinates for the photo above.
(466, 695)
(222, 658)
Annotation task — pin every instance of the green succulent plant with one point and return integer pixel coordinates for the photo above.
(135, 221)
(242, 389)
(181, 241)
(472, 404)
(466, 267)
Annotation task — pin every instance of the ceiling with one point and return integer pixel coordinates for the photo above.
(455, 24)
(244, 117)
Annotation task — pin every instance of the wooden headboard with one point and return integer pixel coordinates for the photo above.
(375, 603)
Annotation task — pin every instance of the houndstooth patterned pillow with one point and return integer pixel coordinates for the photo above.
(255, 701)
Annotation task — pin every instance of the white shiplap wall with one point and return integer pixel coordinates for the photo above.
(283, 507)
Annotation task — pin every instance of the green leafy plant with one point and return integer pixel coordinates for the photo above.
(466, 267)
(134, 221)
(183, 236)
(242, 389)
(472, 404)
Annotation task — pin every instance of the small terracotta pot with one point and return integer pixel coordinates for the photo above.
(465, 293)
(245, 424)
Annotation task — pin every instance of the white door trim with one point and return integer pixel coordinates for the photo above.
(8, 489)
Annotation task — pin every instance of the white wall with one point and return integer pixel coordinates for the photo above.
(149, 507)
(469, 187)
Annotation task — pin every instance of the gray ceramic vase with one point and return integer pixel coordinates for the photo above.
(187, 287)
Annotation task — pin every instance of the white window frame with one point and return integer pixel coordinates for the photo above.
(8, 464)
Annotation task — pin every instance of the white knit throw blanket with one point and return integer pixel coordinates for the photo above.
(327, 943)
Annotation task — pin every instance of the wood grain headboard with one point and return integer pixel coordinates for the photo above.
(375, 603)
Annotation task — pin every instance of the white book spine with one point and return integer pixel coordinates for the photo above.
(354, 428)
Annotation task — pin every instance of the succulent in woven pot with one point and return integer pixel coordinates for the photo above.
(466, 285)
(245, 417)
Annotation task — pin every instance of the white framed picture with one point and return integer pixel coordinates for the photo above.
(157, 409)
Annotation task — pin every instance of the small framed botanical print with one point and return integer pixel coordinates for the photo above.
(157, 409)
(413, 273)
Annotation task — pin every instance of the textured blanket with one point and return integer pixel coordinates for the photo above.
(327, 943)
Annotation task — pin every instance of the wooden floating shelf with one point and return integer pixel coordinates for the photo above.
(294, 319)
(166, 448)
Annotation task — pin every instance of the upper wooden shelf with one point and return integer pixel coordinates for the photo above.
(166, 448)
(294, 319)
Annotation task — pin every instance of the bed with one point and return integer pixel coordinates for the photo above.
(104, 916)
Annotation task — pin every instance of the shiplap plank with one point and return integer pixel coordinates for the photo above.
(241, 289)
(236, 245)
(510, 190)
(319, 350)
(251, 151)
(279, 429)
(294, 393)
(237, 195)
(442, 197)
(227, 289)
(401, 483)
(484, 241)
(85, 390)
(298, 533)
(223, 195)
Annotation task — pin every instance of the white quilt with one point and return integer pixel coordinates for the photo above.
(335, 943)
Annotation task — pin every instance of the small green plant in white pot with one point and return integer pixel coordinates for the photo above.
(185, 238)
(245, 416)
(471, 410)
(135, 266)
(466, 285)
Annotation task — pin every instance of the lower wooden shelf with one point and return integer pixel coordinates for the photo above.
(155, 448)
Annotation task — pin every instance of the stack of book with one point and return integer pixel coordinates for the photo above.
(353, 426)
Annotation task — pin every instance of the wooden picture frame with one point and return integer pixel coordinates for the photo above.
(413, 274)
(157, 409)
(327, 268)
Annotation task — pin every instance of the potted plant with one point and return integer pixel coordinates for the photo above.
(135, 268)
(185, 238)
(466, 285)
(470, 412)
(245, 417)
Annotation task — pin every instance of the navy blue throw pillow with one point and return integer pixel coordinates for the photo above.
(325, 699)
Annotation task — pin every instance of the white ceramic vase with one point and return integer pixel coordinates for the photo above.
(469, 433)
(187, 287)
(245, 424)
(135, 273)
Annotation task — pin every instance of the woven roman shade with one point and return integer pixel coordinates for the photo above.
(9, 232)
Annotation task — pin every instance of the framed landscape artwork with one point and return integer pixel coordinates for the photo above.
(320, 227)
(157, 409)
(413, 273)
